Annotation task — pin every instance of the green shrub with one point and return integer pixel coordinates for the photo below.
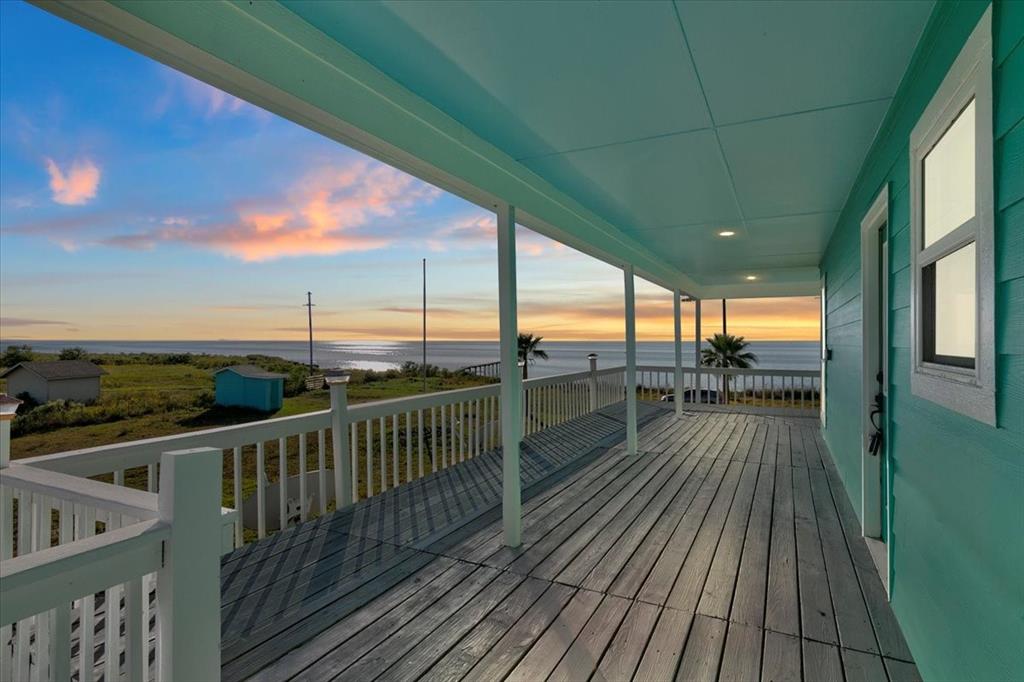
(73, 353)
(15, 354)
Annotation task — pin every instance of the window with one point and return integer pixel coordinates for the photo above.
(952, 237)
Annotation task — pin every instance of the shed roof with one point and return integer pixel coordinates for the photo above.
(252, 372)
(56, 370)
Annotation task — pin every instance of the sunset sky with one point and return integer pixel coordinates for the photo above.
(137, 203)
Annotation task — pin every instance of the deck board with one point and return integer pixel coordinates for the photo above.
(726, 549)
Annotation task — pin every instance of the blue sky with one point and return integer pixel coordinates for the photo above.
(138, 203)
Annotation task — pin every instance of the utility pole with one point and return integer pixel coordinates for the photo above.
(424, 368)
(309, 307)
(724, 327)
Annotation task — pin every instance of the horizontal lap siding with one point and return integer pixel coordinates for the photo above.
(958, 531)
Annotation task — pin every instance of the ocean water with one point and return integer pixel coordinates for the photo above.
(564, 356)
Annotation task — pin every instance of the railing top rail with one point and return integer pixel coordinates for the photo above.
(482, 364)
(96, 494)
(386, 408)
(36, 582)
(105, 458)
(555, 379)
(733, 370)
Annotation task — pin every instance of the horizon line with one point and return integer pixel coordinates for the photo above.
(367, 340)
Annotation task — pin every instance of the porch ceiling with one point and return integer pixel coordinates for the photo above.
(633, 131)
(670, 121)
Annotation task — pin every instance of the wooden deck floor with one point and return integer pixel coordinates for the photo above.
(726, 550)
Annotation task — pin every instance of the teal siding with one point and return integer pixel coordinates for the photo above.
(957, 484)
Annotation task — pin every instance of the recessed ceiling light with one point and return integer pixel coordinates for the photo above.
(751, 278)
(727, 233)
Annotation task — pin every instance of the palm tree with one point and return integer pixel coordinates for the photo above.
(727, 351)
(528, 350)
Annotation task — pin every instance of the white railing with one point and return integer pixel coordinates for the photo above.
(490, 370)
(80, 566)
(96, 541)
(293, 468)
(774, 391)
(549, 401)
(400, 440)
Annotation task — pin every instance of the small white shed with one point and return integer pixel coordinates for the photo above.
(77, 380)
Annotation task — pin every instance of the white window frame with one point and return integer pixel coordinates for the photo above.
(968, 391)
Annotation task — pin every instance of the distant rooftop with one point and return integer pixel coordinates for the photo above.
(252, 372)
(55, 370)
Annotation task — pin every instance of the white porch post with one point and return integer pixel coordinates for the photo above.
(594, 403)
(511, 377)
(696, 350)
(631, 437)
(678, 399)
(188, 585)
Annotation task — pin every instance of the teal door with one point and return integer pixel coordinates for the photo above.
(879, 410)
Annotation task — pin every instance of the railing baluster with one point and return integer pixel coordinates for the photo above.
(464, 445)
(112, 619)
(456, 447)
(261, 495)
(369, 458)
(236, 476)
(526, 411)
(135, 657)
(408, 447)
(476, 427)
(321, 463)
(353, 454)
(419, 438)
(383, 455)
(394, 450)
(434, 464)
(60, 644)
(6, 552)
(6, 523)
(303, 493)
(442, 439)
(282, 483)
(87, 617)
(41, 509)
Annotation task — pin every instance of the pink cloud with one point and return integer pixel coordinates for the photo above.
(323, 213)
(76, 185)
(199, 97)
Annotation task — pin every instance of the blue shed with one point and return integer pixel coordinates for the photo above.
(249, 386)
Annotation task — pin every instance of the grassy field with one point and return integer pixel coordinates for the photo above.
(144, 399)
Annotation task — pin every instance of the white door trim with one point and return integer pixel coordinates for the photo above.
(872, 259)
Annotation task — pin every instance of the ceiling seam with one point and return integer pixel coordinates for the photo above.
(711, 117)
(688, 131)
(681, 226)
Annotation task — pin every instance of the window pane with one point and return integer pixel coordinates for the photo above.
(949, 179)
(949, 309)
